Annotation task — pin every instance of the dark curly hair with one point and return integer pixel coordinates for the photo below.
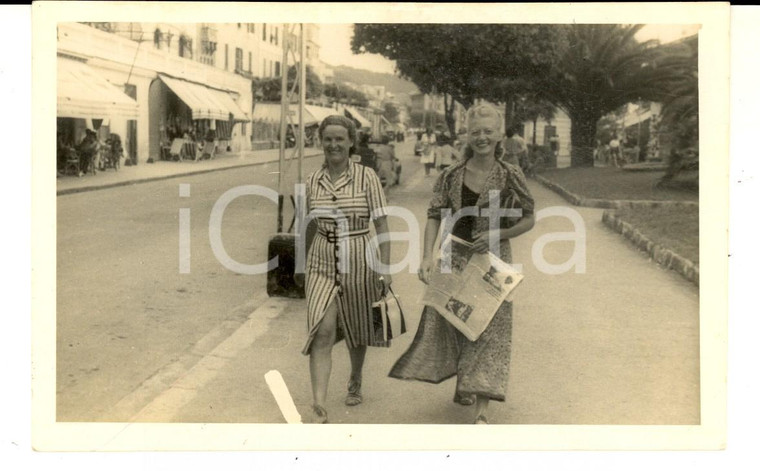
(339, 120)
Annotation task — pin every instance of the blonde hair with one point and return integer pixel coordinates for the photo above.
(484, 110)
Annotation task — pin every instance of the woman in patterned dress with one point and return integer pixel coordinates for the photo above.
(439, 351)
(342, 272)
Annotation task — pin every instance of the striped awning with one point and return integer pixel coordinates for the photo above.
(271, 112)
(354, 113)
(83, 93)
(205, 102)
(320, 112)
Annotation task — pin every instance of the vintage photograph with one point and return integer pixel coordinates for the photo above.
(232, 197)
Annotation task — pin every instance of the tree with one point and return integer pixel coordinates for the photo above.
(269, 89)
(390, 112)
(602, 68)
(461, 61)
(530, 107)
(680, 109)
(345, 95)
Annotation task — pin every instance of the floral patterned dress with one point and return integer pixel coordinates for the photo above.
(438, 350)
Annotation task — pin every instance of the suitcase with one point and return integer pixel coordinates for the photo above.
(281, 281)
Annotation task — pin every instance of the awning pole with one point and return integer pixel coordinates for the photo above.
(283, 125)
(301, 100)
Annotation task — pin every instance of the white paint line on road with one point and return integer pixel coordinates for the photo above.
(167, 375)
(281, 394)
(164, 407)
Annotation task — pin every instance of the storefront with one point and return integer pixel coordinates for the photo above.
(180, 109)
(86, 100)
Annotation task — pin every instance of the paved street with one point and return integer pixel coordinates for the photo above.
(139, 341)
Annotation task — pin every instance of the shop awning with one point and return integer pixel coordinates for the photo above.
(363, 122)
(205, 102)
(320, 112)
(271, 112)
(83, 93)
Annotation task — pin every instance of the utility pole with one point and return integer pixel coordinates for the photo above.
(291, 52)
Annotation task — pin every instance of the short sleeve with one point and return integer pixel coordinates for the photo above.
(439, 199)
(375, 194)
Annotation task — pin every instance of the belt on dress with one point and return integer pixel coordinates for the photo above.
(333, 236)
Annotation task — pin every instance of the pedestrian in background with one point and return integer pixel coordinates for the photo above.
(86, 150)
(445, 154)
(516, 150)
(342, 279)
(615, 156)
(428, 151)
(439, 351)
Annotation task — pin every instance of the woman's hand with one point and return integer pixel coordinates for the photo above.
(385, 282)
(481, 244)
(424, 272)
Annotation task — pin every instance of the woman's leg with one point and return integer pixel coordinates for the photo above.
(357, 361)
(481, 409)
(354, 396)
(320, 357)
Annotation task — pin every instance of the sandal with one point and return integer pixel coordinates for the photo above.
(466, 400)
(320, 414)
(354, 396)
(481, 420)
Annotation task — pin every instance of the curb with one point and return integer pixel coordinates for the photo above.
(663, 256)
(104, 186)
(609, 204)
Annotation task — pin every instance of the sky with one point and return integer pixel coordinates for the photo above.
(336, 45)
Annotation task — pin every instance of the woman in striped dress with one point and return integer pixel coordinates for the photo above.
(342, 272)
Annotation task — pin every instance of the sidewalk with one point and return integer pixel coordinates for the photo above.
(159, 170)
(618, 344)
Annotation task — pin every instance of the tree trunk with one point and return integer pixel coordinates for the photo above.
(582, 137)
(535, 124)
(449, 107)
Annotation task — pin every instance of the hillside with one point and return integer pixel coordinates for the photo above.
(392, 83)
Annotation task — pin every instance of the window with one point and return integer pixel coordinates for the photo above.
(226, 57)
(270, 68)
(263, 67)
(250, 60)
(277, 69)
(276, 33)
(238, 59)
(264, 32)
(185, 47)
(251, 27)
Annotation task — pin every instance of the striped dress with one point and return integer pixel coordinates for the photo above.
(343, 255)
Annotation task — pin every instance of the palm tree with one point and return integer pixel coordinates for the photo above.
(680, 107)
(603, 68)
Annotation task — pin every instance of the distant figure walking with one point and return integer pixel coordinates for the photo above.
(445, 154)
(615, 156)
(428, 152)
(516, 150)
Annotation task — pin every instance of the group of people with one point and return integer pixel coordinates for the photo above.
(436, 151)
(87, 153)
(343, 268)
(439, 150)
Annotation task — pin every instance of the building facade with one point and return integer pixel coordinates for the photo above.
(191, 80)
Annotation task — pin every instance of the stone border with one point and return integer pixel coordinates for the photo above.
(663, 256)
(609, 204)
